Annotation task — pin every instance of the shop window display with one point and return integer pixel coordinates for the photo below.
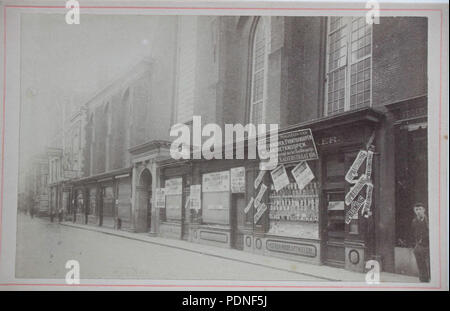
(294, 212)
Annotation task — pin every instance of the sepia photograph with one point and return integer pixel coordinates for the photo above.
(224, 144)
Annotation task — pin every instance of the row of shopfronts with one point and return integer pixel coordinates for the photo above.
(298, 216)
(301, 212)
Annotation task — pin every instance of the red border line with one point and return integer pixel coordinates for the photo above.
(3, 123)
(224, 8)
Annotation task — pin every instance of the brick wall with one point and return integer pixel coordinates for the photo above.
(399, 59)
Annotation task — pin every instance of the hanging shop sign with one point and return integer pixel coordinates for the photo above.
(216, 182)
(188, 203)
(359, 183)
(279, 177)
(303, 174)
(196, 197)
(356, 189)
(296, 146)
(353, 171)
(174, 186)
(259, 179)
(160, 198)
(260, 212)
(249, 205)
(258, 198)
(237, 176)
(355, 206)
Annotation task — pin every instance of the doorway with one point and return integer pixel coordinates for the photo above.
(237, 220)
(144, 197)
(334, 228)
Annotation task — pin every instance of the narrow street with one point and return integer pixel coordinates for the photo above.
(43, 249)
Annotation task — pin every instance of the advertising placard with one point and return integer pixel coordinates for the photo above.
(296, 146)
(279, 177)
(216, 182)
(160, 198)
(303, 175)
(249, 205)
(174, 186)
(259, 179)
(260, 212)
(196, 197)
(261, 192)
(237, 176)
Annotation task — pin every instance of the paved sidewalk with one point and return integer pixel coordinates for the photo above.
(318, 271)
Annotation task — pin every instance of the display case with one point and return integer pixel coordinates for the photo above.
(294, 212)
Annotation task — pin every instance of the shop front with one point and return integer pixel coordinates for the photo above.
(305, 209)
(411, 175)
(102, 200)
(318, 205)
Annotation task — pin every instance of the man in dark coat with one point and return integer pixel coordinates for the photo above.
(421, 240)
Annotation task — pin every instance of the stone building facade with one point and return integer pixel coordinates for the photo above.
(355, 86)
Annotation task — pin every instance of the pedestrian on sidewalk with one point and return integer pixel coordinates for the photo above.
(421, 240)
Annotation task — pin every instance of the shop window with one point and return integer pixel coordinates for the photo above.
(174, 198)
(294, 212)
(349, 64)
(259, 73)
(92, 210)
(216, 198)
(108, 202)
(80, 202)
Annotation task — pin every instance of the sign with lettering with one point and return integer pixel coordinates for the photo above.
(237, 176)
(260, 212)
(261, 192)
(174, 186)
(353, 171)
(355, 206)
(216, 182)
(160, 198)
(259, 178)
(279, 177)
(360, 182)
(296, 146)
(249, 205)
(291, 248)
(196, 197)
(303, 175)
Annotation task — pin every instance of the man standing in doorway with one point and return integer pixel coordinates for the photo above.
(421, 240)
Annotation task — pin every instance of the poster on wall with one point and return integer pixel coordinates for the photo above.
(237, 175)
(160, 198)
(260, 212)
(216, 182)
(196, 197)
(303, 174)
(279, 177)
(174, 186)
(258, 198)
(259, 178)
(249, 205)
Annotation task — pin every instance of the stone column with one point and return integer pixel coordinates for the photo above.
(154, 226)
(133, 198)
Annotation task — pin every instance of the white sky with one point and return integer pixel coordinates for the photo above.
(62, 62)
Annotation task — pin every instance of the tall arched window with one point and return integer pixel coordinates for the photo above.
(259, 71)
(108, 114)
(91, 143)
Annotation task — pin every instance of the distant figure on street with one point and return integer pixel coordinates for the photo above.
(60, 214)
(31, 211)
(421, 240)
